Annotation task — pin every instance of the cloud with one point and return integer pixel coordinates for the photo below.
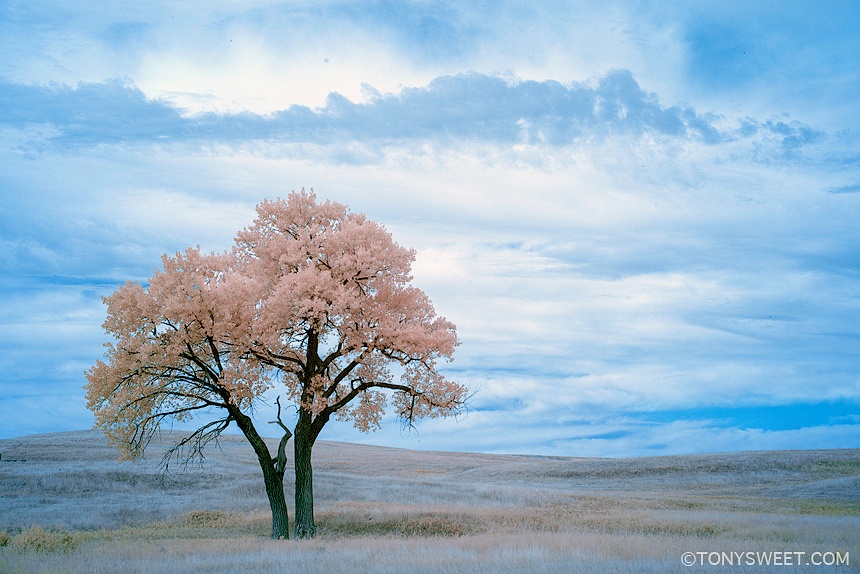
(584, 291)
(466, 109)
(262, 56)
(643, 238)
(462, 107)
(231, 57)
(88, 114)
(620, 434)
(844, 189)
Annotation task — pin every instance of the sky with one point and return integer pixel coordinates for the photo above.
(641, 216)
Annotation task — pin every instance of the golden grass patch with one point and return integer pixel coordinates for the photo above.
(38, 539)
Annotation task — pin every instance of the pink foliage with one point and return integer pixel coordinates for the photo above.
(311, 297)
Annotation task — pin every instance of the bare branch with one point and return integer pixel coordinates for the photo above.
(197, 441)
(281, 462)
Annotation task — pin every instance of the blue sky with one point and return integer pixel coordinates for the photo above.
(642, 217)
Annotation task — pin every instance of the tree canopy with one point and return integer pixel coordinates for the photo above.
(314, 304)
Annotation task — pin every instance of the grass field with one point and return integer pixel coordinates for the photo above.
(67, 506)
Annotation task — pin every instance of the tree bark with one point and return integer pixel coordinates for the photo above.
(278, 504)
(304, 441)
(273, 477)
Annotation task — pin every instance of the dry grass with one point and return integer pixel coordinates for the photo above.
(68, 507)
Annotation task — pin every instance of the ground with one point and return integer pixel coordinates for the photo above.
(68, 506)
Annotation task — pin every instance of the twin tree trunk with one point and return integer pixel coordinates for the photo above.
(273, 476)
(307, 430)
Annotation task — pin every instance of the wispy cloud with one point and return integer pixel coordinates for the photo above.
(844, 189)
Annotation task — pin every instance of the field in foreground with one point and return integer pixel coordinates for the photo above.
(67, 506)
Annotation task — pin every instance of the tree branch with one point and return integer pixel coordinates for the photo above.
(333, 355)
(340, 377)
(273, 359)
(281, 462)
(192, 356)
(198, 440)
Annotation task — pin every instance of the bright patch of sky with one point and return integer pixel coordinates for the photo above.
(641, 216)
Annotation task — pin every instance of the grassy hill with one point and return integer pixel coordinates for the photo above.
(66, 505)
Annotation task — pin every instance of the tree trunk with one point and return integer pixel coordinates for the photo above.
(273, 477)
(278, 504)
(305, 526)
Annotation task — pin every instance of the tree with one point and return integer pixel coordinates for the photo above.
(314, 302)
